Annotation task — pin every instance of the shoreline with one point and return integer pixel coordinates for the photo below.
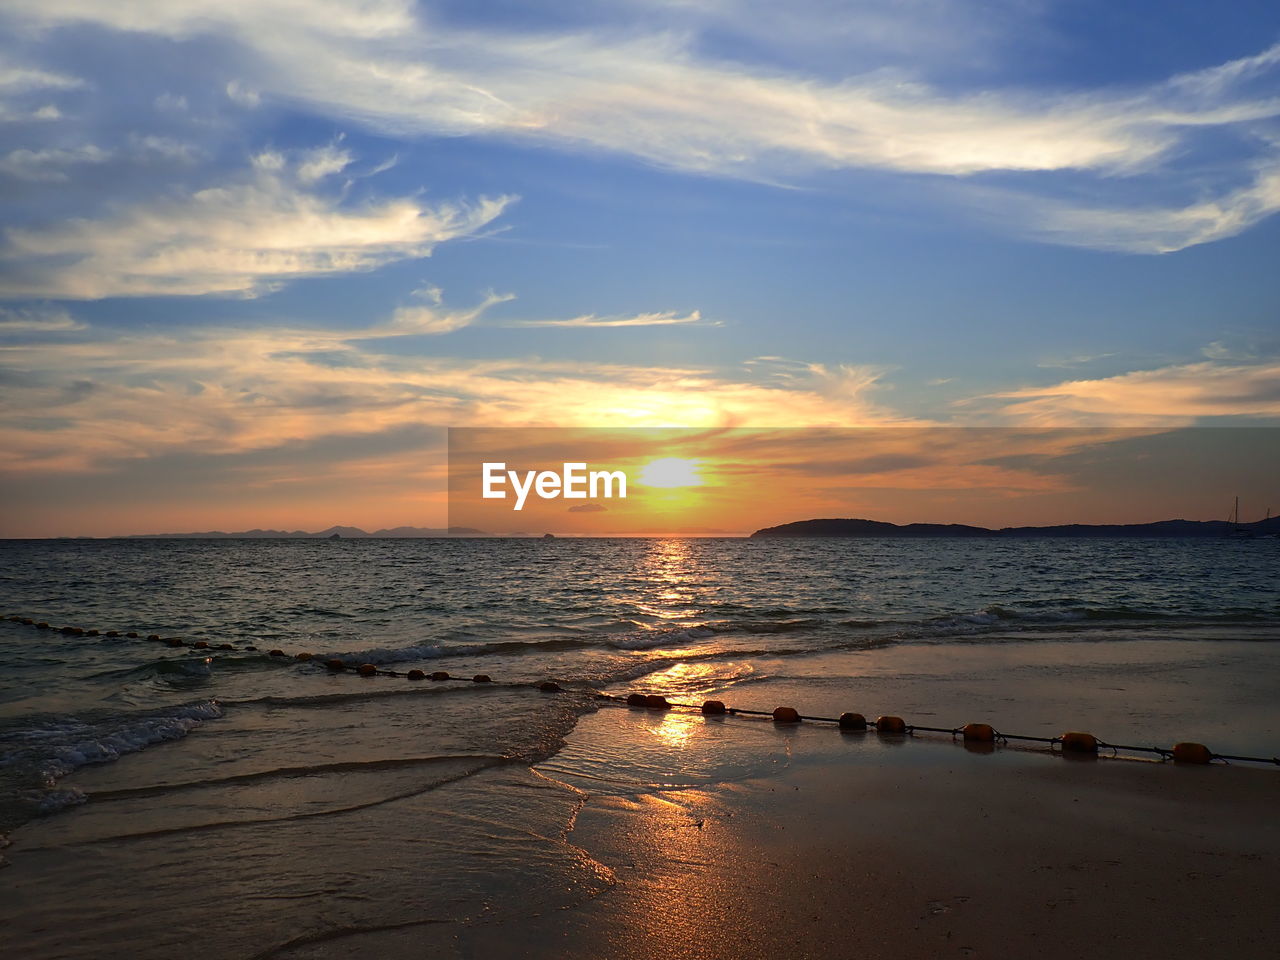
(931, 852)
(655, 834)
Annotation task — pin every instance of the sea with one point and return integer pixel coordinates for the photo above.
(140, 782)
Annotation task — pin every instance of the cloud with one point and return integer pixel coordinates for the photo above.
(1169, 396)
(589, 508)
(47, 165)
(17, 85)
(225, 392)
(432, 319)
(1156, 229)
(243, 237)
(590, 320)
(38, 320)
(661, 97)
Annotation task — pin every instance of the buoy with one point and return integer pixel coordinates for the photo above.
(636, 700)
(417, 675)
(853, 721)
(201, 644)
(549, 686)
(225, 646)
(70, 630)
(367, 670)
(153, 636)
(275, 653)
(713, 707)
(656, 701)
(112, 633)
(132, 633)
(254, 649)
(1079, 742)
(91, 633)
(335, 664)
(890, 725)
(1191, 753)
(28, 621)
(42, 625)
(978, 731)
(786, 715)
(303, 656)
(174, 642)
(481, 678)
(440, 675)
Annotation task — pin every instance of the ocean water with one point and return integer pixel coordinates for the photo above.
(232, 770)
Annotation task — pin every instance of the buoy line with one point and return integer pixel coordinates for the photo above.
(973, 734)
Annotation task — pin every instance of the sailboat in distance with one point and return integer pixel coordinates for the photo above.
(1238, 532)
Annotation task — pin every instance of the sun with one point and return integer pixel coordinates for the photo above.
(671, 472)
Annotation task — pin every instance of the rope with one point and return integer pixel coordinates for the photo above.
(339, 665)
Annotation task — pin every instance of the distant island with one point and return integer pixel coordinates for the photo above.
(1161, 528)
(333, 533)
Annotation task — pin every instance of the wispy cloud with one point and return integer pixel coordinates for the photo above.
(1153, 229)
(38, 320)
(225, 391)
(1168, 396)
(243, 237)
(661, 97)
(668, 318)
(49, 165)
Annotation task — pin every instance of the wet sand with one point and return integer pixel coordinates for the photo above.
(930, 851)
(662, 834)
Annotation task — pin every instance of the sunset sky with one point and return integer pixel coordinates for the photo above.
(255, 255)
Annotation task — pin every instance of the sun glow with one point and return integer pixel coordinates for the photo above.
(671, 472)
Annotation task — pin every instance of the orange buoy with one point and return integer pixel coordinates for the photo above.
(440, 675)
(481, 678)
(91, 633)
(132, 633)
(853, 721)
(201, 644)
(1079, 742)
(112, 633)
(335, 664)
(70, 630)
(786, 715)
(254, 649)
(417, 675)
(174, 642)
(636, 700)
(1191, 753)
(366, 670)
(713, 707)
(275, 653)
(890, 725)
(981, 732)
(656, 701)
(42, 625)
(549, 686)
(303, 656)
(153, 636)
(28, 621)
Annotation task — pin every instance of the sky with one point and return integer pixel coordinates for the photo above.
(255, 257)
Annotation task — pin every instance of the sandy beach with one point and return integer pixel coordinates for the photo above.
(930, 850)
(796, 841)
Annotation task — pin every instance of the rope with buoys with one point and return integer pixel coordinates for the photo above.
(974, 735)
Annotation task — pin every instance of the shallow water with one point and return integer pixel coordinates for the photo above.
(247, 772)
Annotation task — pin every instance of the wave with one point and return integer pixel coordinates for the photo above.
(649, 639)
(37, 755)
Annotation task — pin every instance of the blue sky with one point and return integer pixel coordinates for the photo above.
(278, 244)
